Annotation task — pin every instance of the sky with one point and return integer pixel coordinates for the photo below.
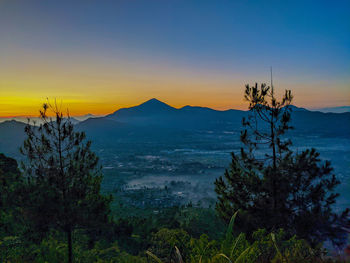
(99, 56)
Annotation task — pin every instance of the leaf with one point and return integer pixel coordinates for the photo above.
(224, 256)
(273, 237)
(236, 242)
(229, 232)
(149, 253)
(177, 251)
(200, 259)
(242, 255)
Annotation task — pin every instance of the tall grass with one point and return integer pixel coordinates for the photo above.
(266, 248)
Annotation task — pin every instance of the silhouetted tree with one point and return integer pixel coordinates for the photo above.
(10, 185)
(274, 187)
(63, 178)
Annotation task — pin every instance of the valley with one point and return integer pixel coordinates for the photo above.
(156, 152)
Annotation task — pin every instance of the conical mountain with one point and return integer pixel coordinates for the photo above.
(149, 108)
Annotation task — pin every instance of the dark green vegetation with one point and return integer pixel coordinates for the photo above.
(54, 209)
(63, 179)
(279, 189)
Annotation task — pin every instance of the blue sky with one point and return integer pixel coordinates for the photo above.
(156, 48)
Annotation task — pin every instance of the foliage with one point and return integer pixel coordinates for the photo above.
(165, 240)
(164, 244)
(202, 249)
(274, 187)
(265, 247)
(10, 185)
(54, 250)
(63, 190)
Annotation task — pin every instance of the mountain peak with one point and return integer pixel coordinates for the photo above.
(149, 107)
(154, 101)
(154, 104)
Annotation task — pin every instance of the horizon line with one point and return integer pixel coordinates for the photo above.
(102, 115)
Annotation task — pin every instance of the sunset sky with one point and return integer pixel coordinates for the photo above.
(98, 56)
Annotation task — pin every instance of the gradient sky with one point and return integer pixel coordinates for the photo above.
(98, 56)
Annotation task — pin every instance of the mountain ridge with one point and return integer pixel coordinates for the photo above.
(154, 120)
(339, 109)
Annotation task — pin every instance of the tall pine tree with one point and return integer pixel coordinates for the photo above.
(64, 178)
(274, 187)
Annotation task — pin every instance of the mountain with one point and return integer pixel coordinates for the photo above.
(194, 118)
(156, 121)
(341, 109)
(11, 137)
(109, 131)
(157, 113)
(100, 128)
(85, 117)
(149, 112)
(37, 120)
(295, 108)
(326, 124)
(152, 107)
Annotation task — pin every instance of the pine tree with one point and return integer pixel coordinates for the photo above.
(274, 187)
(64, 178)
(10, 184)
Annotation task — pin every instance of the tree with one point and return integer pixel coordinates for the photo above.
(10, 183)
(272, 186)
(64, 178)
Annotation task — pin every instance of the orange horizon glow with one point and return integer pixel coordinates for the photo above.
(101, 95)
(99, 57)
(100, 86)
(22, 107)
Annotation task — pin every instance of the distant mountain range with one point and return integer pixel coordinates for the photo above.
(156, 113)
(154, 120)
(24, 119)
(340, 109)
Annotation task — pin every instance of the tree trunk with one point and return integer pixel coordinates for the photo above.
(70, 248)
(272, 127)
